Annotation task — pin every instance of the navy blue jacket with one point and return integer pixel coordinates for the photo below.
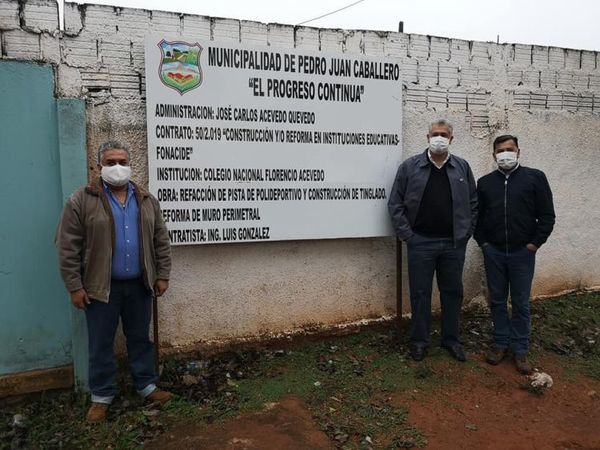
(514, 209)
(407, 192)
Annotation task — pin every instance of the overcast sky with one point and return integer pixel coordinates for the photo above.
(572, 24)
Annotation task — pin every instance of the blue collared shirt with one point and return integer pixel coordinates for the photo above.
(126, 253)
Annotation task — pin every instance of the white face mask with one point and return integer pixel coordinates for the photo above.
(438, 144)
(116, 175)
(507, 160)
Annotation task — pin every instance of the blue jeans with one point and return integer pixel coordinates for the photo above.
(132, 302)
(426, 256)
(512, 271)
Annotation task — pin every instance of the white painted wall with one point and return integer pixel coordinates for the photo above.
(549, 97)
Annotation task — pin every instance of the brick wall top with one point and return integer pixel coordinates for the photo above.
(102, 51)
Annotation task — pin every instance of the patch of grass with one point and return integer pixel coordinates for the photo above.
(569, 327)
(57, 420)
(393, 373)
(184, 409)
(254, 393)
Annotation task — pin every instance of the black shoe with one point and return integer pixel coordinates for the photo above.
(418, 352)
(495, 355)
(456, 351)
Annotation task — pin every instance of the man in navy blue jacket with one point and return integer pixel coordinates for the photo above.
(516, 216)
(433, 207)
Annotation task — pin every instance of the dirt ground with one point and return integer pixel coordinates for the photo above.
(286, 424)
(489, 410)
(479, 407)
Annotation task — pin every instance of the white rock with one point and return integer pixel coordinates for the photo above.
(541, 379)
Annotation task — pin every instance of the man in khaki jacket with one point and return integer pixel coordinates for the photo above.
(114, 253)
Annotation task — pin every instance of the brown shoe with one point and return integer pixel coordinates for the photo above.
(97, 412)
(523, 365)
(495, 355)
(159, 396)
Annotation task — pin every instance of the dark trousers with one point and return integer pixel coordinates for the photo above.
(427, 256)
(512, 271)
(132, 302)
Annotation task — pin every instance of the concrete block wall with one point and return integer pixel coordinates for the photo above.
(548, 96)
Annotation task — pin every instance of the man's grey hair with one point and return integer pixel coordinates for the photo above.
(111, 145)
(442, 122)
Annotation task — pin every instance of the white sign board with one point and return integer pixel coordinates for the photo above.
(254, 144)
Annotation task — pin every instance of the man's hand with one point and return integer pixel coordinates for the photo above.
(80, 299)
(160, 287)
(532, 248)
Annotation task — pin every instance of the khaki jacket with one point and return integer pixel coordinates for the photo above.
(85, 238)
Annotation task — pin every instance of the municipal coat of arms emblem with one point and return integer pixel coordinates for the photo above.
(180, 65)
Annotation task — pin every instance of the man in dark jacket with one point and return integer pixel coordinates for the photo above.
(516, 216)
(433, 207)
(114, 253)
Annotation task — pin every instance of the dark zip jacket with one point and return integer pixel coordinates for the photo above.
(407, 192)
(515, 209)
